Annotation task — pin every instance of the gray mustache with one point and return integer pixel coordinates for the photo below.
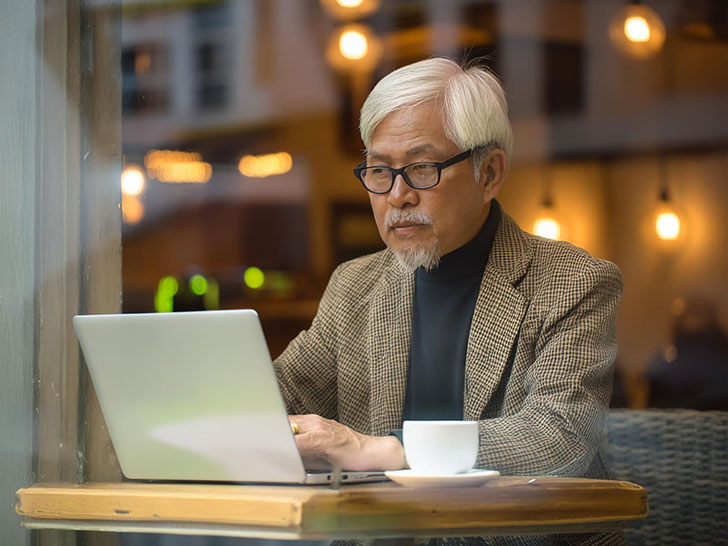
(398, 216)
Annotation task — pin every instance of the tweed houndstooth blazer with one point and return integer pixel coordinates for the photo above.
(539, 361)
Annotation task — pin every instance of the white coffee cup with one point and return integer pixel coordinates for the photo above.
(440, 447)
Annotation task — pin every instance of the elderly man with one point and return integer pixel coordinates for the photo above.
(464, 315)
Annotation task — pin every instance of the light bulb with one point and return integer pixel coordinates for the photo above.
(349, 3)
(548, 228)
(637, 29)
(132, 180)
(667, 225)
(353, 45)
(354, 48)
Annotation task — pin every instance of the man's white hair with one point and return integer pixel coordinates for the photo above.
(475, 111)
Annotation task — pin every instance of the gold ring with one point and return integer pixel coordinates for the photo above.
(295, 428)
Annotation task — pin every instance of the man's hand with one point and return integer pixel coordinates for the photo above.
(325, 442)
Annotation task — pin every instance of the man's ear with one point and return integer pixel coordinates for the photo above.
(492, 173)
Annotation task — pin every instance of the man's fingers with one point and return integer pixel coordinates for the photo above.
(323, 442)
(312, 442)
(301, 424)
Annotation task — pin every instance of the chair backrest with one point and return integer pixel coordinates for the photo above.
(681, 458)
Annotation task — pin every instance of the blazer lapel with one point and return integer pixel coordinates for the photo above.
(390, 326)
(499, 311)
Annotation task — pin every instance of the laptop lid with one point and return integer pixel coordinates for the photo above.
(190, 396)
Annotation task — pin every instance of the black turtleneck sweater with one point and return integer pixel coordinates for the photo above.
(442, 311)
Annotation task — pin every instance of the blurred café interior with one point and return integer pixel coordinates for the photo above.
(240, 132)
(173, 155)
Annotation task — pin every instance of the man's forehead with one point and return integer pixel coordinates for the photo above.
(423, 112)
(412, 130)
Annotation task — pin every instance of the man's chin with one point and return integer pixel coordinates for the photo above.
(412, 257)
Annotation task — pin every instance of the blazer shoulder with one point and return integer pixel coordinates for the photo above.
(518, 252)
(355, 279)
(560, 262)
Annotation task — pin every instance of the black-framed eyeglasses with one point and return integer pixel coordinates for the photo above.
(421, 175)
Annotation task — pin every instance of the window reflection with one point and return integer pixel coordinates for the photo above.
(242, 116)
(145, 78)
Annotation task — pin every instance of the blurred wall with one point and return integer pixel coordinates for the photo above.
(608, 207)
(661, 278)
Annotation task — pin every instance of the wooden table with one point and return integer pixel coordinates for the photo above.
(505, 505)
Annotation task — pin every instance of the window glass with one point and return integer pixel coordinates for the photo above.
(145, 141)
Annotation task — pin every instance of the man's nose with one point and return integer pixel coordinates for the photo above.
(402, 194)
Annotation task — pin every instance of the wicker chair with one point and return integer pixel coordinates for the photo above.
(681, 458)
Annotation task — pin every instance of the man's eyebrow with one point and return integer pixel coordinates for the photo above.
(377, 156)
(419, 149)
(411, 152)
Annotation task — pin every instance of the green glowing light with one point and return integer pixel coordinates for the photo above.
(164, 298)
(168, 286)
(163, 303)
(198, 284)
(254, 277)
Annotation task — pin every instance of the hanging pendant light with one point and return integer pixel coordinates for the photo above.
(354, 48)
(637, 31)
(133, 183)
(667, 221)
(546, 224)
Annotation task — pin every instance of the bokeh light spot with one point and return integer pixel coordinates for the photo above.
(132, 180)
(198, 284)
(548, 228)
(637, 29)
(667, 226)
(168, 285)
(254, 277)
(353, 45)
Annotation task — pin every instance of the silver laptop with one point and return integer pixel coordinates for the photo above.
(193, 396)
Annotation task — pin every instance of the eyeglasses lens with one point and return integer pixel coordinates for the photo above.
(376, 178)
(419, 175)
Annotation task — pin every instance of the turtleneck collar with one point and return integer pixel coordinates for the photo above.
(469, 259)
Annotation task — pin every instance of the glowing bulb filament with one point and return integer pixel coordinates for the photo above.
(548, 228)
(637, 29)
(667, 226)
(132, 180)
(353, 45)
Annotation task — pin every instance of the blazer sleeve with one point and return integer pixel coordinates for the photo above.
(306, 370)
(558, 427)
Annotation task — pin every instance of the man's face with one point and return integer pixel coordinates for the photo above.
(446, 216)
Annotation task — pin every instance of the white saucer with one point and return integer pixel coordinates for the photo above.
(410, 478)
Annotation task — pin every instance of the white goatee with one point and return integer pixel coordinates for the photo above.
(414, 256)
